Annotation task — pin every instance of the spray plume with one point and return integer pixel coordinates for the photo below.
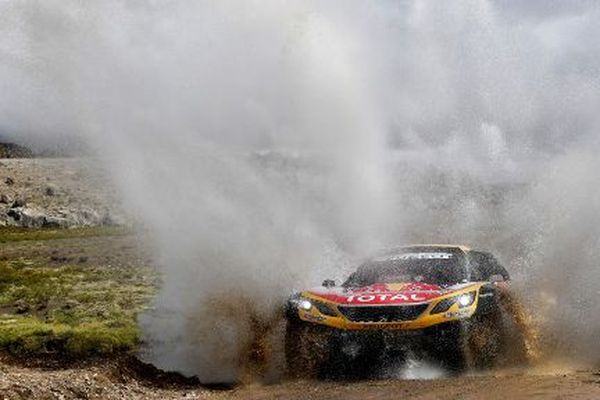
(267, 144)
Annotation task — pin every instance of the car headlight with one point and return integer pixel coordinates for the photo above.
(463, 300)
(306, 305)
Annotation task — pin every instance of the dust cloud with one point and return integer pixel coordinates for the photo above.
(269, 144)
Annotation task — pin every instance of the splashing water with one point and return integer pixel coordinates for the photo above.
(417, 369)
(268, 144)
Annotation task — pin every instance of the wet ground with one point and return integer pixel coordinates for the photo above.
(124, 379)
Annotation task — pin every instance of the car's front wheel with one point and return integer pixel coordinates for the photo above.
(445, 345)
(465, 345)
(484, 341)
(306, 348)
(500, 336)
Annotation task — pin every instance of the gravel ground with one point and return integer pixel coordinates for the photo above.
(74, 192)
(120, 380)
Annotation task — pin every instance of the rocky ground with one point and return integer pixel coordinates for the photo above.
(56, 192)
(12, 150)
(103, 260)
(126, 379)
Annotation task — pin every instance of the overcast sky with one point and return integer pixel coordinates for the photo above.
(568, 30)
(544, 9)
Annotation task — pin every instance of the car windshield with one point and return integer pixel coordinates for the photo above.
(439, 267)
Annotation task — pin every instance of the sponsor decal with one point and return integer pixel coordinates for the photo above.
(393, 326)
(457, 314)
(312, 318)
(397, 286)
(369, 298)
(417, 256)
(381, 293)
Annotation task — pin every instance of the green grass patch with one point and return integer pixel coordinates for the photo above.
(15, 234)
(31, 336)
(72, 310)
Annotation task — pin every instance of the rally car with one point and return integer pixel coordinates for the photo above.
(442, 303)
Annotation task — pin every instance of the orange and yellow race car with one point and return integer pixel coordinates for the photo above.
(442, 302)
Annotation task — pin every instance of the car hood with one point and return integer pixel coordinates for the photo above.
(384, 293)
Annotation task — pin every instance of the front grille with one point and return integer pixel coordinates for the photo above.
(382, 313)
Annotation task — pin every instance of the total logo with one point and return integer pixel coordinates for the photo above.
(369, 298)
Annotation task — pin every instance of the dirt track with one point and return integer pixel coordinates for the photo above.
(115, 380)
(584, 385)
(126, 379)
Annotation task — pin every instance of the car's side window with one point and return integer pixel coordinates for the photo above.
(484, 265)
(475, 269)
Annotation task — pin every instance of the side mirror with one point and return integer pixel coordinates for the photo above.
(328, 283)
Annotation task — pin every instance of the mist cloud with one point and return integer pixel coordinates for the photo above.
(268, 144)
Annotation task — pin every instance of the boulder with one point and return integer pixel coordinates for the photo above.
(21, 306)
(18, 203)
(13, 150)
(50, 190)
(35, 218)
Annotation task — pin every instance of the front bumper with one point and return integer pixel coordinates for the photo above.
(335, 319)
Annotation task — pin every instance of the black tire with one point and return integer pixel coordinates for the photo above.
(354, 356)
(307, 349)
(446, 346)
(500, 337)
(462, 346)
(484, 342)
(519, 334)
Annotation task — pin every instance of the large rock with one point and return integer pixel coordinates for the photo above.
(12, 150)
(50, 190)
(18, 203)
(35, 218)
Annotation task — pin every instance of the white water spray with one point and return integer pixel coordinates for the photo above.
(265, 143)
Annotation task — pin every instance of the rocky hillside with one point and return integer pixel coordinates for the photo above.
(56, 192)
(11, 150)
